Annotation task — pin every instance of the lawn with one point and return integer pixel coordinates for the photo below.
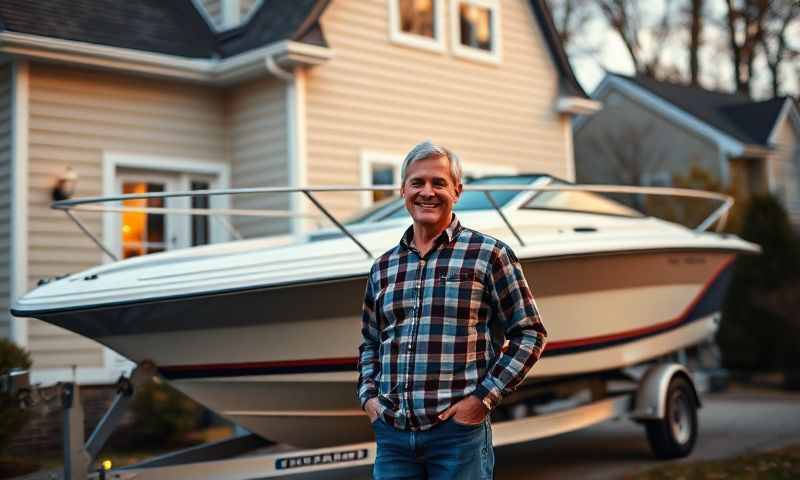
(772, 465)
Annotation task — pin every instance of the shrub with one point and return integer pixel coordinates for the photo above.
(162, 414)
(12, 417)
(760, 316)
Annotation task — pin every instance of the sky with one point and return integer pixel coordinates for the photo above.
(716, 71)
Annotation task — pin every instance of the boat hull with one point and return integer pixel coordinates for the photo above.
(281, 361)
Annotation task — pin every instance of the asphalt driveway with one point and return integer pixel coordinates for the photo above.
(731, 423)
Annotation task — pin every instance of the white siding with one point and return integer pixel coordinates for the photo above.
(379, 96)
(5, 200)
(76, 116)
(258, 145)
(644, 137)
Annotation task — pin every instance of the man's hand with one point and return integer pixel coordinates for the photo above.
(372, 407)
(469, 411)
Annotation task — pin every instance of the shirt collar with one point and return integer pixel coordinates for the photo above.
(447, 235)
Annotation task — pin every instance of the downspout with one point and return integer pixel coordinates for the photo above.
(296, 137)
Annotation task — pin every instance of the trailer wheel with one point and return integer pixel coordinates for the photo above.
(674, 435)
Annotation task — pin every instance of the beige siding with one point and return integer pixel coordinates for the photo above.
(384, 97)
(5, 199)
(786, 168)
(625, 136)
(76, 116)
(258, 143)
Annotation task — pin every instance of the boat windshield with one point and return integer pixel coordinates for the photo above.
(575, 201)
(394, 208)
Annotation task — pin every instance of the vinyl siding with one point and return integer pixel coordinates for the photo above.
(384, 97)
(258, 144)
(786, 168)
(5, 199)
(643, 137)
(76, 116)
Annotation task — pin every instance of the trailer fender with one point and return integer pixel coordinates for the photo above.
(651, 395)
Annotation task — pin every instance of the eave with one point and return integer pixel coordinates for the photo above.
(288, 54)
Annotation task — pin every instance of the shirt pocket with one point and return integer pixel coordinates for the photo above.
(461, 291)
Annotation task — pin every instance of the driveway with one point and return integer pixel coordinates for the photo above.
(731, 423)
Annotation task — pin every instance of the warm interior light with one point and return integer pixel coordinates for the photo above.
(106, 464)
(423, 5)
(134, 224)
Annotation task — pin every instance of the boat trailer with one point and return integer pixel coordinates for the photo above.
(664, 398)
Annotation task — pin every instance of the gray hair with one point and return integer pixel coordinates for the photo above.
(427, 149)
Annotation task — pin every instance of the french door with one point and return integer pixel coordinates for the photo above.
(142, 233)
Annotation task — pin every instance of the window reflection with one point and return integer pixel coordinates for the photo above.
(476, 26)
(382, 175)
(417, 16)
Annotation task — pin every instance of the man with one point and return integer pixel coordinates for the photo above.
(437, 310)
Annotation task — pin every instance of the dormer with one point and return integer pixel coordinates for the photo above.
(226, 14)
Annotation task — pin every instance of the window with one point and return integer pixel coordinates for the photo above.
(200, 233)
(578, 201)
(476, 29)
(379, 169)
(417, 23)
(143, 232)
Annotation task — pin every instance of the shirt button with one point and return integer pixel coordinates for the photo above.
(409, 347)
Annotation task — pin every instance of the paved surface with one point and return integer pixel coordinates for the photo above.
(732, 423)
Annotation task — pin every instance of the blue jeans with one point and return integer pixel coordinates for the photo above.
(449, 451)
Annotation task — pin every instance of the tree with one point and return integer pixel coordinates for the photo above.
(695, 35)
(571, 17)
(745, 20)
(775, 41)
(628, 20)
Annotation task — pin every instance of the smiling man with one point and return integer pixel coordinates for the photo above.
(449, 327)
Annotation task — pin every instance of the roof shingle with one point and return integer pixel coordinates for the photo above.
(734, 114)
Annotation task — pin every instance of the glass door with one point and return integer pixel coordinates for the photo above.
(142, 232)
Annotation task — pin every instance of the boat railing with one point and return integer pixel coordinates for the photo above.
(95, 204)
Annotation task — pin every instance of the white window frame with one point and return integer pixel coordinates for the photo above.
(184, 168)
(468, 53)
(396, 35)
(370, 158)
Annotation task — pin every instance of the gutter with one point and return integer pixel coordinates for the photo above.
(578, 105)
(219, 72)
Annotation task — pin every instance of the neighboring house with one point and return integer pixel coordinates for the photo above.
(143, 96)
(650, 131)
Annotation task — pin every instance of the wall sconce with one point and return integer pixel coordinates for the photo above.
(65, 185)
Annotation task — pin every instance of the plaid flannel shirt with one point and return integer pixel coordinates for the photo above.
(435, 328)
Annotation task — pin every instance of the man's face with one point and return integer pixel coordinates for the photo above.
(430, 192)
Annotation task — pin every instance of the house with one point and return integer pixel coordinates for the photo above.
(146, 96)
(651, 131)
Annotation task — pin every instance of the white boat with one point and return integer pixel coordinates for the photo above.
(266, 334)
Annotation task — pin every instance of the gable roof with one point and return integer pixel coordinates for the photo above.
(172, 27)
(748, 121)
(176, 27)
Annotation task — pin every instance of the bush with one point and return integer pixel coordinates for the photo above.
(162, 414)
(12, 417)
(761, 323)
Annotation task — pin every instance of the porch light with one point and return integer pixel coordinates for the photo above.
(65, 185)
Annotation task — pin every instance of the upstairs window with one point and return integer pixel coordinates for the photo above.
(417, 23)
(476, 29)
